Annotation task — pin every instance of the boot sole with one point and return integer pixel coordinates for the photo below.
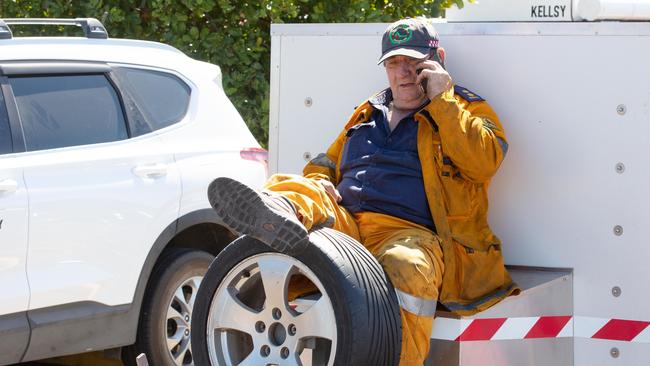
(245, 212)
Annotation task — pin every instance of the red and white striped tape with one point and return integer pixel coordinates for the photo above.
(465, 330)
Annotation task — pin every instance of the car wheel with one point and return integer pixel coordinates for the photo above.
(165, 321)
(329, 305)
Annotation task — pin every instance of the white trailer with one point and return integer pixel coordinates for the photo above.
(570, 200)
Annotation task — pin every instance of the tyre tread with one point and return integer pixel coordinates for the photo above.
(380, 302)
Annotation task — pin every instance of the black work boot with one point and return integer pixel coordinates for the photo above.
(265, 216)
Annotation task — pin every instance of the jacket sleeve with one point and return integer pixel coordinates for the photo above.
(325, 165)
(471, 135)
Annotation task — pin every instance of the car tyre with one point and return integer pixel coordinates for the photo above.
(165, 320)
(347, 313)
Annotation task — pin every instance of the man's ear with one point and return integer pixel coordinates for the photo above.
(441, 55)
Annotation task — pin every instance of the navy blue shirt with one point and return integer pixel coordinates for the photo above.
(380, 169)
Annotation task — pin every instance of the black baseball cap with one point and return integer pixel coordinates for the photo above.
(413, 37)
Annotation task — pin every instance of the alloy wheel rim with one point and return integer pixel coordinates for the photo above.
(178, 325)
(252, 322)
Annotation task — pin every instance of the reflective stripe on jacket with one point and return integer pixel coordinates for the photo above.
(461, 145)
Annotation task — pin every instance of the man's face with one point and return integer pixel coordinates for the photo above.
(401, 71)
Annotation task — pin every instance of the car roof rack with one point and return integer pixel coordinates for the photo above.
(92, 27)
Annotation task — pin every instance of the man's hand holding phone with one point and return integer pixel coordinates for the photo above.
(433, 77)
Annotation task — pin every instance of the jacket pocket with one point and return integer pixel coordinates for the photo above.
(352, 130)
(357, 143)
(479, 272)
(458, 193)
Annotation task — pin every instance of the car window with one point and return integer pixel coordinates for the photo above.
(68, 110)
(6, 145)
(163, 98)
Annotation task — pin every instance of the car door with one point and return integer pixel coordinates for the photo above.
(14, 297)
(98, 197)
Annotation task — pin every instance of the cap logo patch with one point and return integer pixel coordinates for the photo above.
(400, 34)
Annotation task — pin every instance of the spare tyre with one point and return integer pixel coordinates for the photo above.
(329, 305)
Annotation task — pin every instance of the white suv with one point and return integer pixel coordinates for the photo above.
(107, 147)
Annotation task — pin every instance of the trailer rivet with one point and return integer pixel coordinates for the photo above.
(306, 155)
(620, 168)
(618, 230)
(621, 109)
(308, 102)
(614, 352)
(616, 291)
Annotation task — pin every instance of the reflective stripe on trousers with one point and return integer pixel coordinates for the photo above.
(416, 305)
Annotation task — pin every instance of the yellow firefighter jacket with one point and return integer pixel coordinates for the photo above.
(461, 144)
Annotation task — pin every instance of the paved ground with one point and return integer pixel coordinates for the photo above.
(87, 359)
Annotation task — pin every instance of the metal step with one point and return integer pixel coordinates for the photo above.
(532, 328)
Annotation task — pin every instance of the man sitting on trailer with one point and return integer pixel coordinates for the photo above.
(407, 177)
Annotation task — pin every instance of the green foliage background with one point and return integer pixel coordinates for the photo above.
(232, 34)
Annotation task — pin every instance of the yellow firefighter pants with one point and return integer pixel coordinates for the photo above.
(410, 254)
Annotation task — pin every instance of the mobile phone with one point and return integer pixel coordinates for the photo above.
(423, 83)
(433, 55)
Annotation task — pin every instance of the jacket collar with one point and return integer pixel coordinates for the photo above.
(385, 97)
